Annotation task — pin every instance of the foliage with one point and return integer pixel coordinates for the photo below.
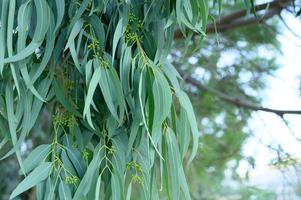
(235, 63)
(120, 119)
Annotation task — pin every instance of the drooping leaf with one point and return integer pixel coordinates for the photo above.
(64, 191)
(36, 176)
(92, 86)
(186, 104)
(85, 184)
(36, 157)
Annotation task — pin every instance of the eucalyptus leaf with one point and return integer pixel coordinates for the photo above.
(35, 177)
(36, 157)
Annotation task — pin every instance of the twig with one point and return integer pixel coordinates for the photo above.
(290, 129)
(236, 101)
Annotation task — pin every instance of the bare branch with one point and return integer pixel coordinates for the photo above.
(234, 100)
(244, 22)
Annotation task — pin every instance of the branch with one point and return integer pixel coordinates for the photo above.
(234, 100)
(243, 22)
(241, 18)
(257, 8)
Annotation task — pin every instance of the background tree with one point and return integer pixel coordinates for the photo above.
(224, 79)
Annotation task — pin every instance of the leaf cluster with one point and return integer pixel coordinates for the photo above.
(99, 68)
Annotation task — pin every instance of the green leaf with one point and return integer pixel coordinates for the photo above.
(92, 86)
(80, 11)
(133, 134)
(107, 91)
(40, 190)
(50, 188)
(183, 133)
(85, 184)
(64, 191)
(117, 90)
(172, 76)
(125, 78)
(173, 163)
(144, 116)
(77, 160)
(98, 27)
(10, 26)
(162, 103)
(63, 99)
(35, 177)
(5, 8)
(88, 71)
(12, 122)
(129, 192)
(67, 163)
(23, 23)
(3, 142)
(186, 105)
(71, 44)
(43, 22)
(117, 35)
(24, 53)
(116, 193)
(50, 41)
(97, 191)
(36, 157)
(203, 5)
(60, 7)
(183, 183)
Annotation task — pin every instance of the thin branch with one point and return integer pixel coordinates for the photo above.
(244, 22)
(240, 18)
(234, 100)
(257, 8)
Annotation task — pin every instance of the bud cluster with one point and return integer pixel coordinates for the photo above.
(133, 31)
(63, 118)
(72, 180)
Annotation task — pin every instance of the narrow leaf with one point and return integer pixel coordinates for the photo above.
(36, 176)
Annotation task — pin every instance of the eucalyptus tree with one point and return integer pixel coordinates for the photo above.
(120, 121)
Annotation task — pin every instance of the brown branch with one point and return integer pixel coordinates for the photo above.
(257, 8)
(242, 17)
(234, 100)
(239, 23)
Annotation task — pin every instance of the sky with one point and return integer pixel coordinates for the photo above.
(283, 92)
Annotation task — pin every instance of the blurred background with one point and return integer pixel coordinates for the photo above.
(244, 79)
